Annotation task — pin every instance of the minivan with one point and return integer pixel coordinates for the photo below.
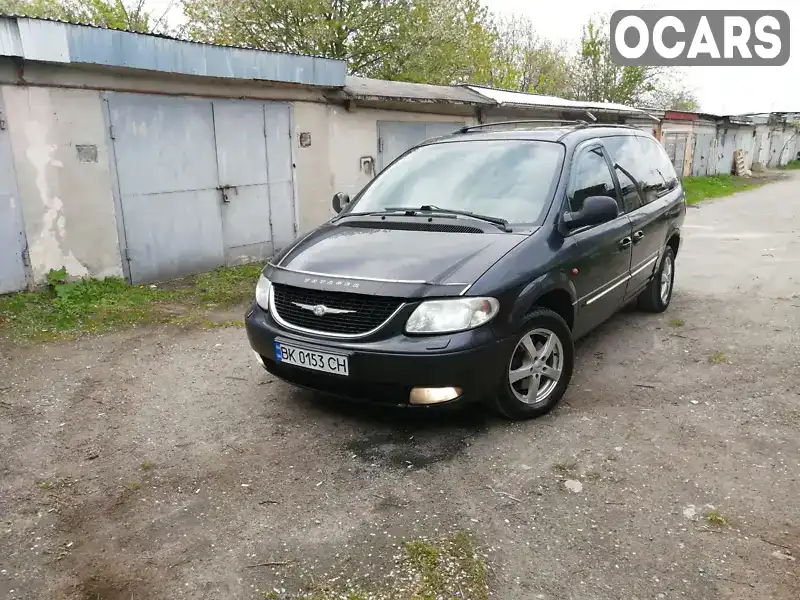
(467, 268)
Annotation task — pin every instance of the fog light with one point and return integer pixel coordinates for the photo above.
(433, 395)
(258, 358)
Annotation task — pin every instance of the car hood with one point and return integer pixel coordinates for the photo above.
(433, 258)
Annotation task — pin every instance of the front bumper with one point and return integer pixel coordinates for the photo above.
(384, 370)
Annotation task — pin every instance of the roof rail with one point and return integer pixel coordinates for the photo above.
(619, 125)
(467, 128)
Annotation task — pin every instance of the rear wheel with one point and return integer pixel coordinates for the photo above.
(658, 293)
(539, 368)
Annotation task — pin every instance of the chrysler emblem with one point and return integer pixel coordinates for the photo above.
(320, 310)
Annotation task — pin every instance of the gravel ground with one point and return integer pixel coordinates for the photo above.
(164, 463)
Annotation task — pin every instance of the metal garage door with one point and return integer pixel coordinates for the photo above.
(675, 145)
(702, 154)
(202, 183)
(396, 137)
(12, 230)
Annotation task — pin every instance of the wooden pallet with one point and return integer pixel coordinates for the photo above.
(739, 165)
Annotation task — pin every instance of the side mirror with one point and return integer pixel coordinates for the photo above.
(595, 210)
(340, 200)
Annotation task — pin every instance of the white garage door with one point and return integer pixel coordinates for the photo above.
(202, 183)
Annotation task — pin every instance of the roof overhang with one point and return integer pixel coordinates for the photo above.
(68, 43)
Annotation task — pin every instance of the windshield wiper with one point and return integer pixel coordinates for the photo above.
(431, 208)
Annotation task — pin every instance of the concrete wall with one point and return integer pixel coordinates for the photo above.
(313, 173)
(339, 140)
(354, 134)
(58, 138)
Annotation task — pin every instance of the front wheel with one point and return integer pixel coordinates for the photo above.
(658, 293)
(539, 368)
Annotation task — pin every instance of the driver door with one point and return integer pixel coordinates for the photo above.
(604, 251)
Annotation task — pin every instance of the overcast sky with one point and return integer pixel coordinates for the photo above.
(721, 90)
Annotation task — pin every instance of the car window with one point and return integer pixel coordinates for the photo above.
(625, 155)
(511, 179)
(657, 173)
(590, 177)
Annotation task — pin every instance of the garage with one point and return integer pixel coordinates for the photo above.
(397, 137)
(200, 183)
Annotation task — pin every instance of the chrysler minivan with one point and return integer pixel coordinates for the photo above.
(468, 267)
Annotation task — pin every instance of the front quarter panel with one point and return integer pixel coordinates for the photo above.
(519, 279)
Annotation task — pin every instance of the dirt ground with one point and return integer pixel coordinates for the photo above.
(164, 463)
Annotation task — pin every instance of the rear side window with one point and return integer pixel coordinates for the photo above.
(657, 173)
(625, 155)
(590, 177)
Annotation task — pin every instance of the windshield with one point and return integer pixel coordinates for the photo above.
(512, 180)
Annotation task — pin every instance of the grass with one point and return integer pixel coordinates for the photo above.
(427, 570)
(66, 309)
(718, 358)
(717, 518)
(792, 166)
(677, 323)
(146, 465)
(565, 467)
(702, 188)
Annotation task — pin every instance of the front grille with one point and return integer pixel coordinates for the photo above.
(369, 312)
(414, 226)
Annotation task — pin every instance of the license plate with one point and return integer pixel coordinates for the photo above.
(311, 359)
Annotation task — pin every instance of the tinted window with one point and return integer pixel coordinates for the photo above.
(625, 154)
(513, 180)
(590, 177)
(657, 173)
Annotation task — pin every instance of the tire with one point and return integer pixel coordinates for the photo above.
(511, 400)
(653, 298)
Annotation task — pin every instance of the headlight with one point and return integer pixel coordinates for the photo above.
(262, 292)
(448, 316)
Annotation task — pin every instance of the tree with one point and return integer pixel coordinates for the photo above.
(598, 79)
(524, 62)
(665, 97)
(113, 14)
(435, 41)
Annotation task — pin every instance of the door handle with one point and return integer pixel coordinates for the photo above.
(637, 237)
(625, 243)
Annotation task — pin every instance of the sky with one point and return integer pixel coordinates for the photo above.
(720, 90)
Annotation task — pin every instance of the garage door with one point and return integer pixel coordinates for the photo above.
(12, 231)
(202, 183)
(396, 137)
(675, 145)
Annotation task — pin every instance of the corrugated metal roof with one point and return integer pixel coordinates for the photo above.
(505, 97)
(377, 89)
(57, 41)
(149, 34)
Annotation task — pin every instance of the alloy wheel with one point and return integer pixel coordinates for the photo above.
(536, 366)
(666, 279)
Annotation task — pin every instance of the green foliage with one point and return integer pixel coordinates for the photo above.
(90, 305)
(523, 61)
(435, 41)
(794, 165)
(113, 14)
(598, 79)
(716, 517)
(701, 188)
